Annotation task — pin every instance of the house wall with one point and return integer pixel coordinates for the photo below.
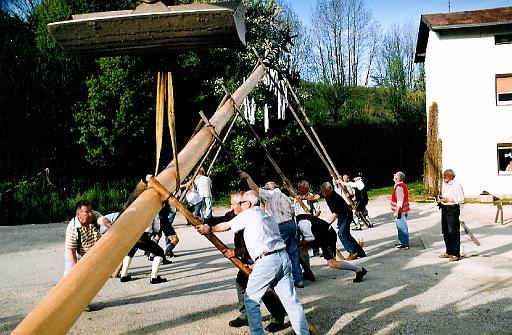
(460, 69)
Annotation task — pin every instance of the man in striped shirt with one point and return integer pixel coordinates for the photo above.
(81, 233)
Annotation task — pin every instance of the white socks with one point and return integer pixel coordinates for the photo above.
(155, 266)
(127, 260)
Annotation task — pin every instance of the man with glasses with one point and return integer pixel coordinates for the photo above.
(279, 206)
(274, 306)
(272, 267)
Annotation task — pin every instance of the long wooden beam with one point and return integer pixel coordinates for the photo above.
(58, 310)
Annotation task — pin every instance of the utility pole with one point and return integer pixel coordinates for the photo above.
(449, 7)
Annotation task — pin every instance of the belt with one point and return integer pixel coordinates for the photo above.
(267, 253)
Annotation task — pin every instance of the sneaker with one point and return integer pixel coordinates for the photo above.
(157, 280)
(150, 258)
(125, 279)
(274, 327)
(397, 244)
(169, 254)
(237, 323)
(360, 275)
(299, 284)
(403, 247)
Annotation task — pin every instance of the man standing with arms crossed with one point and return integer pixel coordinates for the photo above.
(450, 199)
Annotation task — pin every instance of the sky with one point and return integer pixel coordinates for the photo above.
(391, 12)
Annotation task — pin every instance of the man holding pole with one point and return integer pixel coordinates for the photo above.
(279, 206)
(272, 267)
(273, 304)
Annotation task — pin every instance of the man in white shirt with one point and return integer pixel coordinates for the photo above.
(272, 267)
(204, 187)
(279, 206)
(450, 199)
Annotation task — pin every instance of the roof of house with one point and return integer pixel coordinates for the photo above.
(457, 20)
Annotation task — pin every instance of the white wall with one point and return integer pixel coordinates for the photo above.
(460, 76)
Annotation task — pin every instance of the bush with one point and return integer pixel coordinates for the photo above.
(39, 201)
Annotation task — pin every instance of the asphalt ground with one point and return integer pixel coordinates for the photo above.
(405, 292)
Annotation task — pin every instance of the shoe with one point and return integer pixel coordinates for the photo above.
(357, 228)
(165, 261)
(237, 323)
(299, 284)
(351, 257)
(445, 255)
(397, 244)
(88, 308)
(157, 280)
(169, 254)
(125, 279)
(316, 253)
(150, 258)
(360, 275)
(403, 247)
(454, 258)
(308, 275)
(274, 327)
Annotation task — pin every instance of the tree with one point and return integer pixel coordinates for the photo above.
(344, 33)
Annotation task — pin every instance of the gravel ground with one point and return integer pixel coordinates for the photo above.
(405, 292)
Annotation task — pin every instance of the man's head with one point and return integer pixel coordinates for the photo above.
(345, 178)
(249, 200)
(326, 189)
(303, 187)
(270, 186)
(398, 177)
(84, 213)
(448, 175)
(200, 172)
(236, 199)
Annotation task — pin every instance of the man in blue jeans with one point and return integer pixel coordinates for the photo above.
(279, 206)
(272, 267)
(400, 208)
(342, 212)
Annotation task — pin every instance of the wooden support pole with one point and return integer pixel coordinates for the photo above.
(210, 168)
(59, 309)
(221, 143)
(211, 237)
(172, 126)
(285, 181)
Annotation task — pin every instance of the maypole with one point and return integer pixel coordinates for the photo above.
(59, 309)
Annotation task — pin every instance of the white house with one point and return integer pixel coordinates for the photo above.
(468, 73)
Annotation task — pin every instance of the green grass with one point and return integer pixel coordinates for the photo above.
(416, 192)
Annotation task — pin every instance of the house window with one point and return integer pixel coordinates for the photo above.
(505, 158)
(503, 39)
(503, 89)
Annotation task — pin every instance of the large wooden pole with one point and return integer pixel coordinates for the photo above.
(59, 309)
